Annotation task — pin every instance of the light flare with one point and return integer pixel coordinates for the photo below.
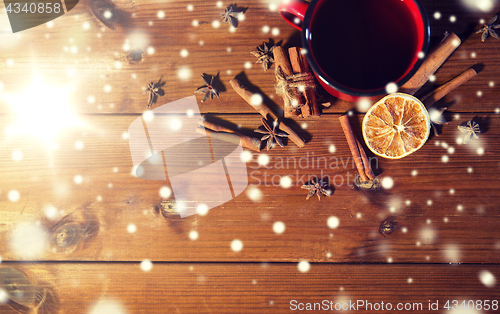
(42, 110)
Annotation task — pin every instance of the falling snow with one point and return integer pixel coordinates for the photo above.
(254, 193)
(333, 222)
(451, 253)
(263, 159)
(246, 156)
(363, 105)
(279, 227)
(131, 228)
(256, 99)
(165, 192)
(108, 306)
(28, 240)
(391, 88)
(17, 155)
(427, 235)
(4, 296)
(387, 183)
(236, 245)
(304, 266)
(286, 182)
(146, 265)
(487, 278)
(193, 235)
(79, 145)
(184, 73)
(78, 179)
(202, 209)
(51, 212)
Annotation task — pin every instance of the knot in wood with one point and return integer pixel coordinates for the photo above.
(135, 56)
(387, 227)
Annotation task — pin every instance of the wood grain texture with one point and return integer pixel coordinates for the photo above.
(90, 59)
(445, 211)
(253, 287)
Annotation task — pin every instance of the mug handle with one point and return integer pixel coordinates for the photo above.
(293, 11)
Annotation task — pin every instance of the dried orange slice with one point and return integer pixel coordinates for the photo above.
(396, 126)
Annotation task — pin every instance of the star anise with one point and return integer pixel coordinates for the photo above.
(487, 29)
(437, 118)
(228, 16)
(264, 53)
(208, 89)
(154, 90)
(272, 134)
(316, 186)
(471, 129)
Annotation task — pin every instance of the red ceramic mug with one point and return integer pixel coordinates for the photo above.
(356, 48)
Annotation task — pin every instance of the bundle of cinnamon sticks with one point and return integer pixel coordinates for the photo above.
(295, 83)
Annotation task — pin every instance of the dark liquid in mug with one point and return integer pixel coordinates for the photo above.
(364, 44)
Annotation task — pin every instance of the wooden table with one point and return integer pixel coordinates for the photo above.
(443, 202)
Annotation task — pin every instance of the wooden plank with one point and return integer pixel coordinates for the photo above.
(444, 211)
(93, 59)
(254, 287)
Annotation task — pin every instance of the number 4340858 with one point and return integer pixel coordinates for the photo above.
(34, 8)
(472, 305)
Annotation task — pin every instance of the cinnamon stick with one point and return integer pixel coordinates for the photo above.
(264, 110)
(236, 138)
(246, 141)
(353, 146)
(215, 127)
(281, 61)
(431, 64)
(434, 96)
(300, 65)
(366, 162)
